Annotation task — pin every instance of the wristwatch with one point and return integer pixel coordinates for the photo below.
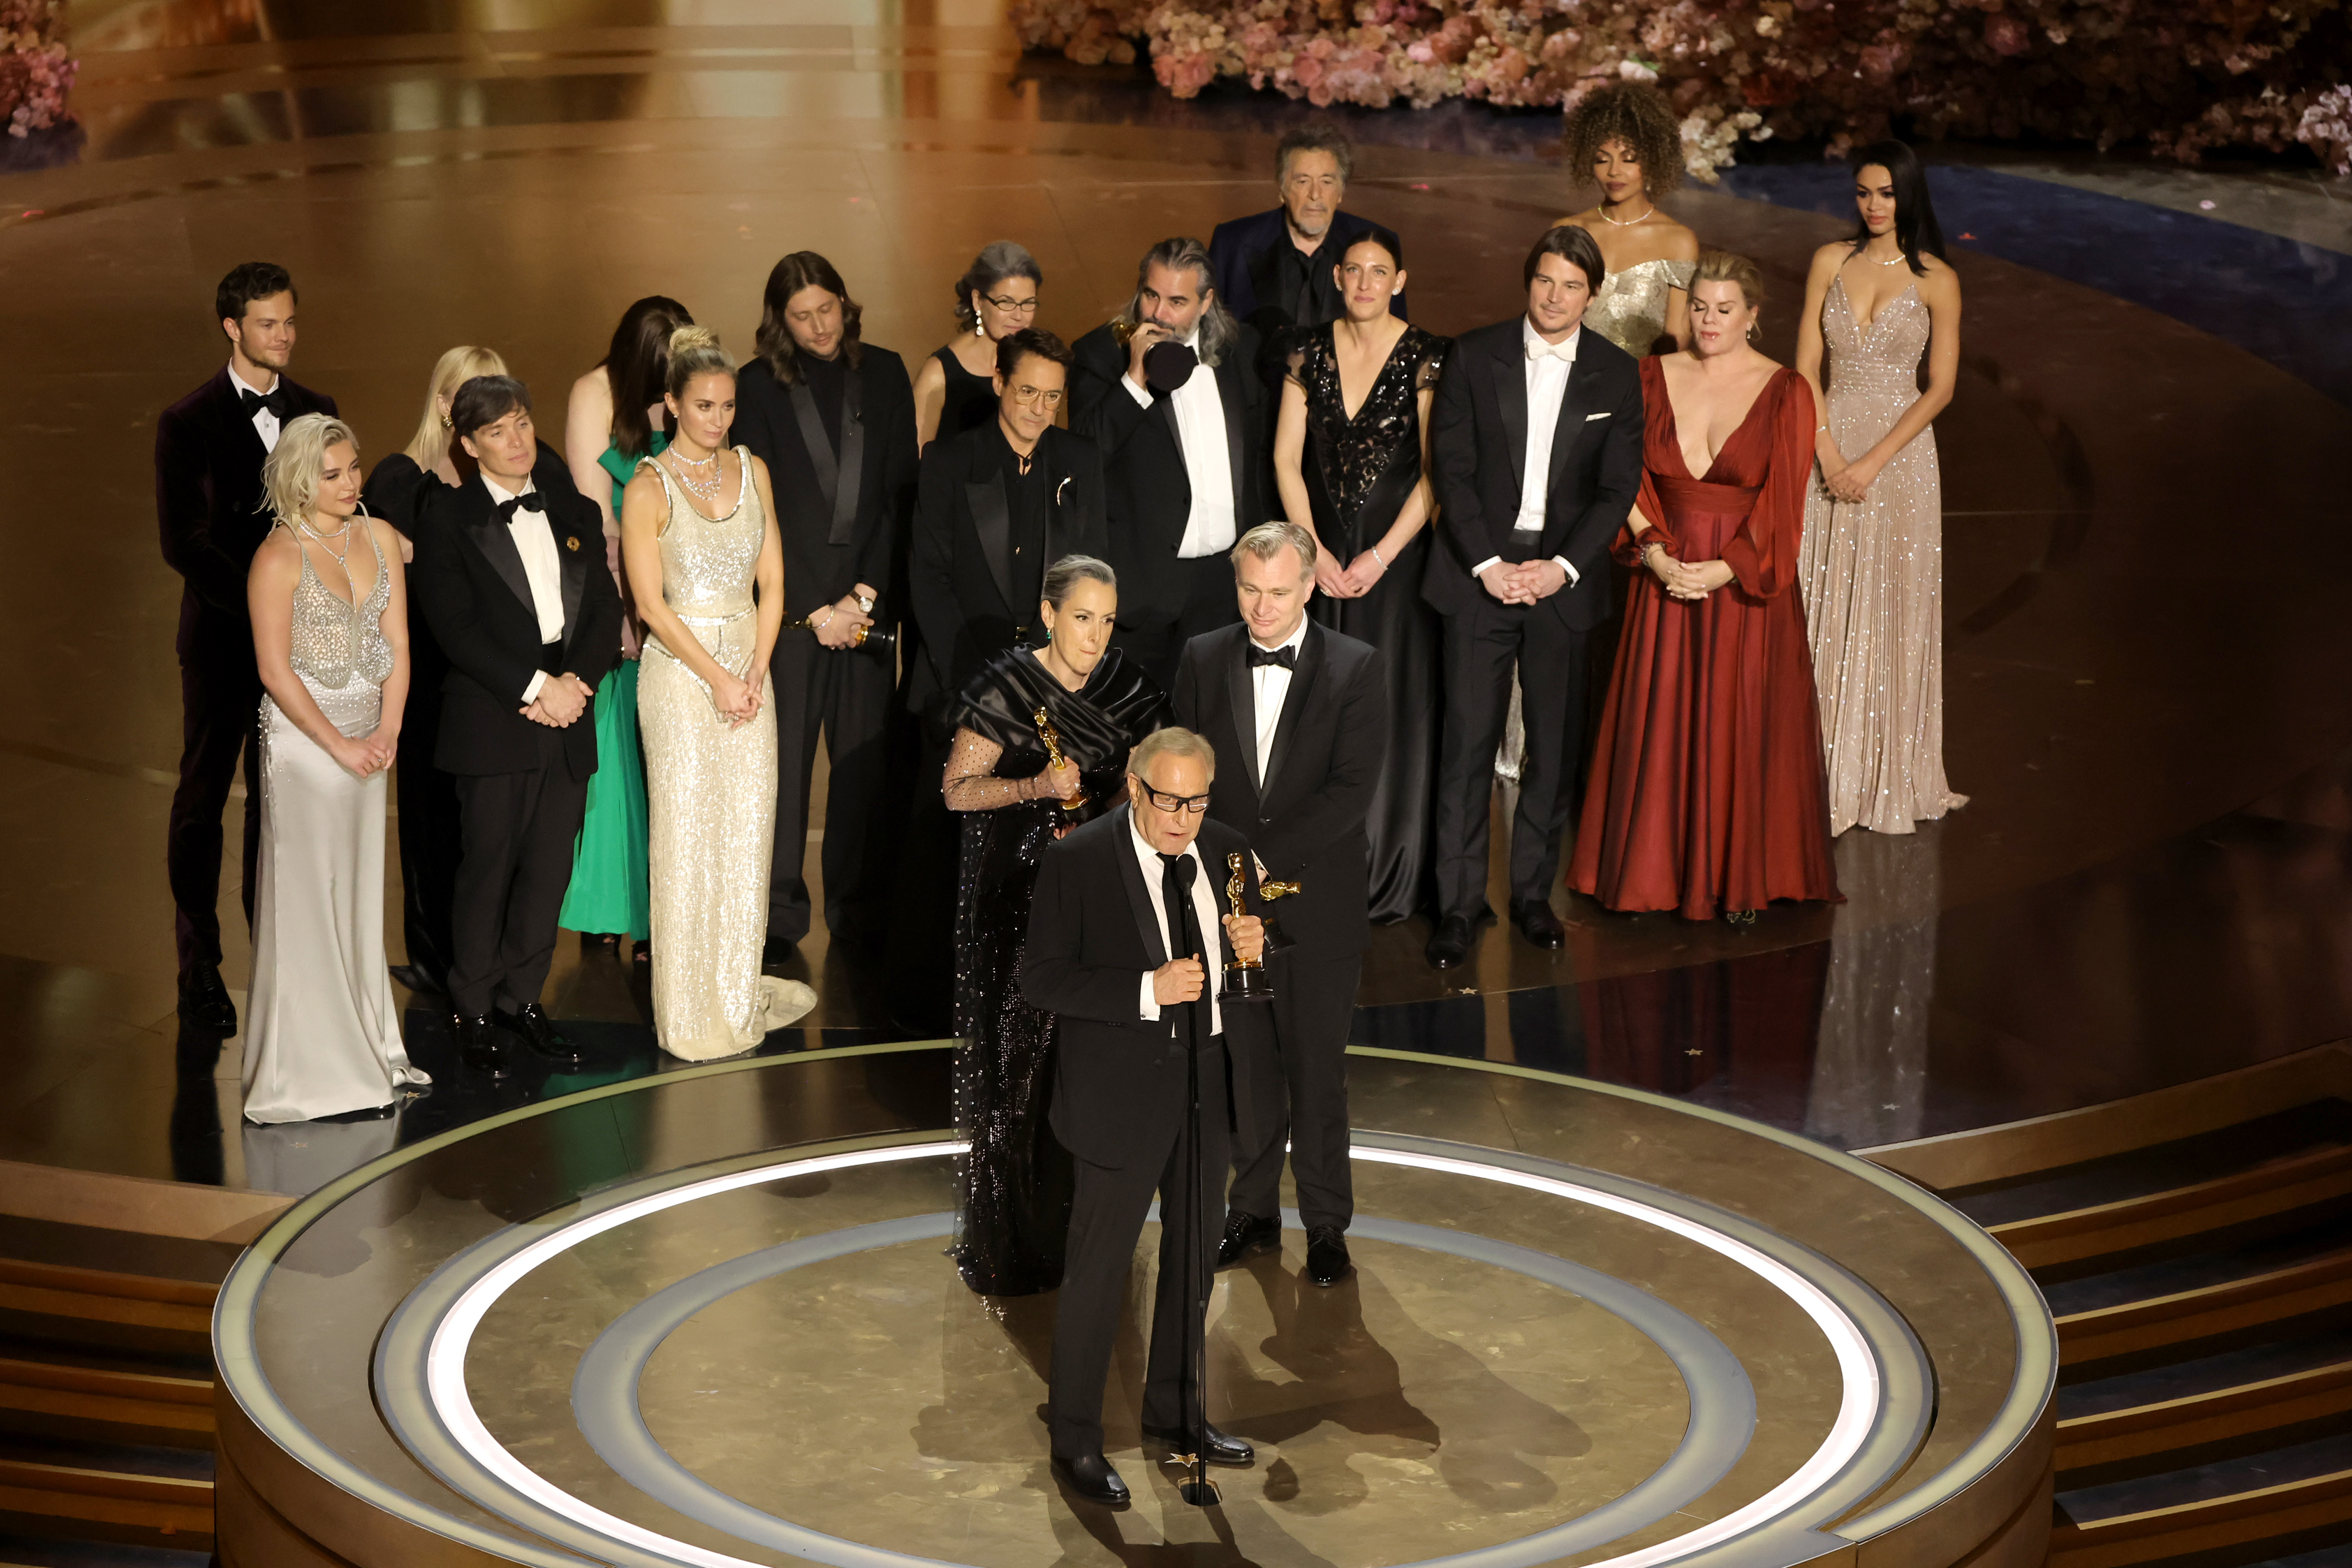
(865, 603)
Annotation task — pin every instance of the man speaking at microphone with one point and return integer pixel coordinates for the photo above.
(1125, 910)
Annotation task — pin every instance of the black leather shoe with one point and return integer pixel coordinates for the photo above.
(1449, 944)
(1327, 1256)
(1091, 1477)
(1539, 925)
(778, 950)
(478, 1043)
(530, 1022)
(1246, 1236)
(204, 999)
(1224, 1448)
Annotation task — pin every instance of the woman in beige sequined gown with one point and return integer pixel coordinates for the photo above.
(699, 537)
(1872, 562)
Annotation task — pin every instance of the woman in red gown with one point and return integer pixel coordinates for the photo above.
(1707, 794)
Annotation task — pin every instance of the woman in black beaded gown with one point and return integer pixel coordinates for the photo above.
(1351, 452)
(1015, 1207)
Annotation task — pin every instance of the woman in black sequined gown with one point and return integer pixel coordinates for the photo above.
(1357, 482)
(1015, 1207)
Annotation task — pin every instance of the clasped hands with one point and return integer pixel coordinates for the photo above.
(1686, 580)
(1852, 481)
(562, 699)
(840, 628)
(1524, 583)
(1181, 979)
(361, 755)
(1352, 581)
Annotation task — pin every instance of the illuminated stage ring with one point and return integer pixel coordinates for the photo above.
(1883, 1409)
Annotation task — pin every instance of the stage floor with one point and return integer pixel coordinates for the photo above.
(2150, 881)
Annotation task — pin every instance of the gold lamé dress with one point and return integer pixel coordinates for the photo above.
(711, 794)
(1873, 573)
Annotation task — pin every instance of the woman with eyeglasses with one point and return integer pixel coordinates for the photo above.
(995, 298)
(1042, 739)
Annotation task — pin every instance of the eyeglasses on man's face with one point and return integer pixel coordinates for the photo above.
(1193, 804)
(1037, 398)
(1005, 304)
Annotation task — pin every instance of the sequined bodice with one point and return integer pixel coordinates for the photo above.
(1383, 436)
(707, 563)
(1874, 371)
(1631, 308)
(341, 652)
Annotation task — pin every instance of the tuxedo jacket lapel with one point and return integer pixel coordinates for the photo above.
(1574, 399)
(1294, 703)
(991, 520)
(1066, 509)
(1511, 397)
(852, 459)
(1241, 692)
(497, 545)
(574, 563)
(1230, 396)
(812, 440)
(1130, 876)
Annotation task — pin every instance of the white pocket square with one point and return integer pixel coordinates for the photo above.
(1602, 414)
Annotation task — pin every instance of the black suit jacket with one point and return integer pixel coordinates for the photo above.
(1306, 818)
(468, 578)
(843, 517)
(208, 460)
(1143, 464)
(1478, 442)
(1242, 251)
(961, 575)
(1119, 1078)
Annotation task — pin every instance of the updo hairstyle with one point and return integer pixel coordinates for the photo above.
(1724, 267)
(1063, 576)
(693, 351)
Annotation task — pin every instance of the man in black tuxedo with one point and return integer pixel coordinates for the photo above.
(1536, 440)
(1301, 713)
(1114, 950)
(1185, 427)
(209, 448)
(833, 419)
(998, 505)
(512, 581)
(1274, 268)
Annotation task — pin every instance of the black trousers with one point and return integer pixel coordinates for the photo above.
(1197, 597)
(220, 716)
(1106, 1218)
(517, 863)
(844, 694)
(1481, 646)
(1301, 1090)
(432, 836)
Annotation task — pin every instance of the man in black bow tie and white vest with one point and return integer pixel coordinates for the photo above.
(512, 581)
(209, 448)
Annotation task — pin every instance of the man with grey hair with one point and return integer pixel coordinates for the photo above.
(1170, 393)
(1302, 711)
(1277, 268)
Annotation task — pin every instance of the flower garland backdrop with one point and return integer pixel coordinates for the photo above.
(35, 71)
(2181, 75)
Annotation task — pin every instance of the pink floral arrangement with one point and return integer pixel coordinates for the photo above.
(2181, 75)
(35, 71)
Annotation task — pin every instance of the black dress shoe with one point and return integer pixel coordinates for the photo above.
(478, 1043)
(1091, 1477)
(1224, 1448)
(1539, 925)
(204, 999)
(1327, 1256)
(778, 950)
(1449, 944)
(531, 1022)
(1246, 1236)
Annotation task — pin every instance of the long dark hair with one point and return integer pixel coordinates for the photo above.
(637, 367)
(802, 269)
(1916, 229)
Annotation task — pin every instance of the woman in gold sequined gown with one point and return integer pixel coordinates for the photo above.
(699, 538)
(1873, 564)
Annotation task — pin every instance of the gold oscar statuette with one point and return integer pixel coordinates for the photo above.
(1052, 739)
(1277, 939)
(1245, 978)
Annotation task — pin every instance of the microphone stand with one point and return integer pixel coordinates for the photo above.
(1200, 1490)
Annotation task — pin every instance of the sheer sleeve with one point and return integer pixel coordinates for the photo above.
(972, 783)
(1763, 553)
(1433, 365)
(1294, 367)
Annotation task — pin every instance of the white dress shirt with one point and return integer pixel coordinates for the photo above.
(1200, 412)
(1204, 917)
(1547, 365)
(265, 423)
(534, 541)
(1270, 683)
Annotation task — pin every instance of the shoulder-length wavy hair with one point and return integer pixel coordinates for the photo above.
(1219, 331)
(636, 368)
(802, 269)
(450, 371)
(1633, 112)
(1916, 229)
(289, 476)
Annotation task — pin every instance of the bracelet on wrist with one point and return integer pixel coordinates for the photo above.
(1381, 558)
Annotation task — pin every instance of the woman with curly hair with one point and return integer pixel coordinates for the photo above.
(1624, 137)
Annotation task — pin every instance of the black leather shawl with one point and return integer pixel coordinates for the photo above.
(1099, 723)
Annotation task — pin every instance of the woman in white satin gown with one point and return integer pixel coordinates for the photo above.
(707, 569)
(330, 631)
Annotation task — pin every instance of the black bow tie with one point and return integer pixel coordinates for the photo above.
(273, 400)
(1285, 655)
(529, 502)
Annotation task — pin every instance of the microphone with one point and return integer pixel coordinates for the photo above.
(1187, 871)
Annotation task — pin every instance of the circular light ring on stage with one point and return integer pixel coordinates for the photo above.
(1882, 1410)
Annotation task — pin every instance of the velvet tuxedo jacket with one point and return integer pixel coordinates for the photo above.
(1478, 443)
(1305, 816)
(1119, 1078)
(209, 510)
(469, 579)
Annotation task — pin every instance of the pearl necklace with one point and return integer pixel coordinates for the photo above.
(1628, 222)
